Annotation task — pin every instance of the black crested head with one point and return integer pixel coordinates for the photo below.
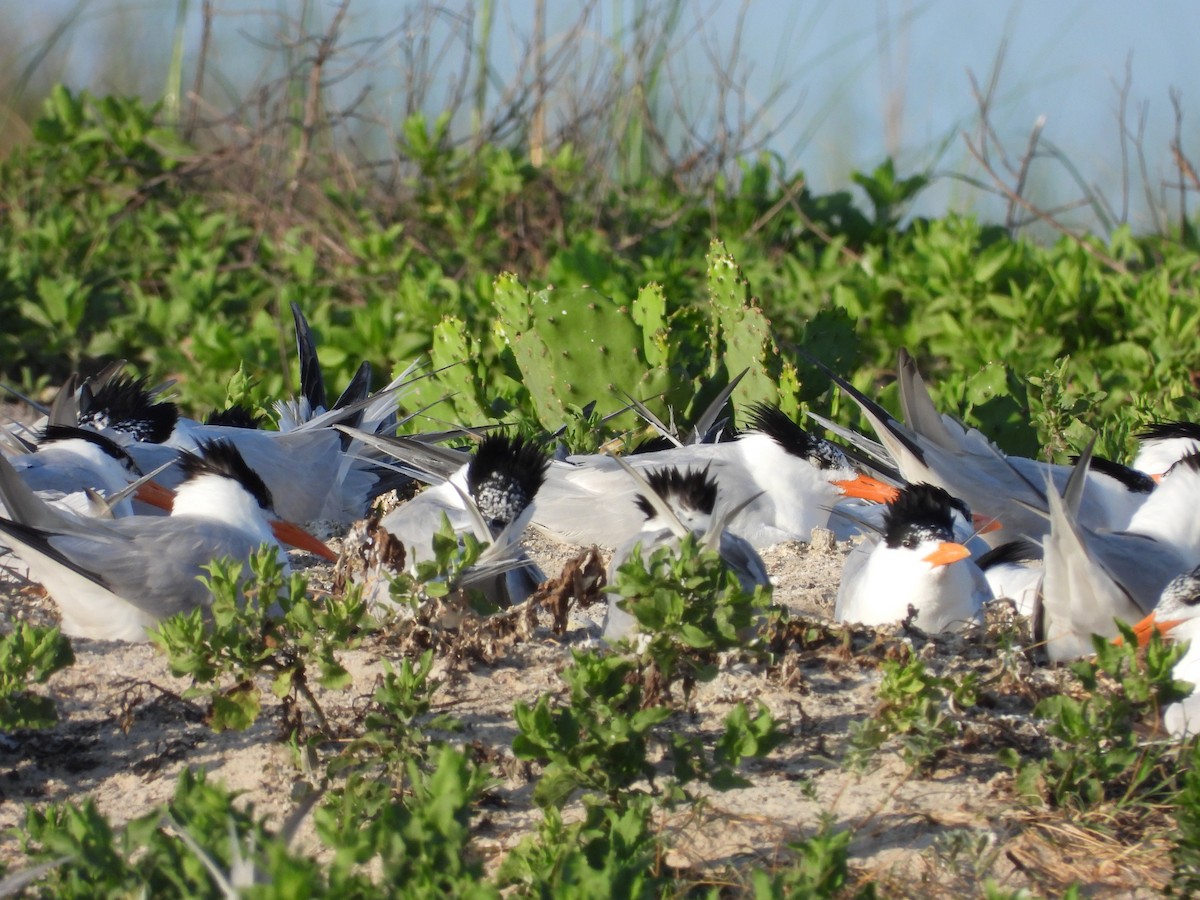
(504, 476)
(124, 404)
(1136, 482)
(688, 489)
(236, 416)
(55, 433)
(221, 457)
(775, 424)
(1165, 431)
(922, 512)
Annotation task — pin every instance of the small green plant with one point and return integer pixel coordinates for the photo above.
(819, 870)
(30, 655)
(1062, 409)
(200, 844)
(914, 707)
(394, 729)
(1185, 854)
(689, 607)
(264, 625)
(599, 740)
(415, 829)
(612, 852)
(1096, 755)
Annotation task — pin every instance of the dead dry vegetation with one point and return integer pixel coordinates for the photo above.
(937, 823)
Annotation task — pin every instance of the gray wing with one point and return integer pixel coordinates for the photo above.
(155, 566)
(1081, 596)
(740, 555)
(414, 523)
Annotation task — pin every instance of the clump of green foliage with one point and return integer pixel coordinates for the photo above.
(267, 625)
(1096, 755)
(916, 708)
(30, 655)
(600, 742)
(689, 607)
(1049, 342)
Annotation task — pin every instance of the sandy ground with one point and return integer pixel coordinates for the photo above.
(124, 736)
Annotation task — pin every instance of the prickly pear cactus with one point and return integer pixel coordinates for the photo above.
(650, 313)
(456, 354)
(580, 346)
(743, 335)
(511, 302)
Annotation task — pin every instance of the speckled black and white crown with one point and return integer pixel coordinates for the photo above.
(688, 489)
(504, 476)
(54, 434)
(921, 513)
(222, 458)
(124, 404)
(1182, 592)
(775, 424)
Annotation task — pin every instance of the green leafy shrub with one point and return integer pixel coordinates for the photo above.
(915, 708)
(30, 655)
(1096, 755)
(262, 625)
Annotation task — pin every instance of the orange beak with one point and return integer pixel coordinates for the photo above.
(156, 495)
(947, 553)
(1157, 478)
(985, 524)
(1143, 629)
(295, 536)
(864, 487)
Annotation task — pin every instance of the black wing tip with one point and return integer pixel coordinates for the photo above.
(312, 380)
(220, 457)
(690, 488)
(40, 541)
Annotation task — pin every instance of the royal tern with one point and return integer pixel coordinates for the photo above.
(672, 504)
(489, 497)
(937, 449)
(1177, 615)
(916, 562)
(69, 462)
(1093, 577)
(783, 480)
(307, 469)
(114, 579)
(1160, 445)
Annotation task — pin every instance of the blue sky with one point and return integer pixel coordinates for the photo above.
(859, 79)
